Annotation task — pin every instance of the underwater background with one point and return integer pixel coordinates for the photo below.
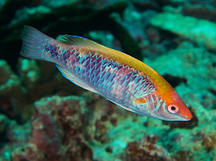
(44, 117)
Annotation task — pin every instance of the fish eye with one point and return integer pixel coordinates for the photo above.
(173, 108)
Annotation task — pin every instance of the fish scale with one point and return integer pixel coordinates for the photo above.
(108, 77)
(118, 77)
(94, 77)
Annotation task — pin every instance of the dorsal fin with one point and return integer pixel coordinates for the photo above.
(79, 41)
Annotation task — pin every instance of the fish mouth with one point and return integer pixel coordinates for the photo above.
(187, 117)
(190, 117)
(180, 117)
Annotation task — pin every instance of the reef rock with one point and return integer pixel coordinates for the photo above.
(188, 27)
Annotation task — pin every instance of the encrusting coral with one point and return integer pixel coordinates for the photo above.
(34, 80)
(197, 28)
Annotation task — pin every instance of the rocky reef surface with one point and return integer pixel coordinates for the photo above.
(45, 117)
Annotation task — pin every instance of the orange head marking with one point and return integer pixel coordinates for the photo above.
(140, 100)
(167, 104)
(175, 109)
(177, 103)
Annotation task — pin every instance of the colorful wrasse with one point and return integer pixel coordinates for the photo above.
(114, 75)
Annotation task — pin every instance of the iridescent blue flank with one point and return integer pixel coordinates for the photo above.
(52, 49)
(113, 80)
(57, 52)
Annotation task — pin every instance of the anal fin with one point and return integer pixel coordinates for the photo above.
(126, 108)
(79, 82)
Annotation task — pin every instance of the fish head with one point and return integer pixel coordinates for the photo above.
(172, 108)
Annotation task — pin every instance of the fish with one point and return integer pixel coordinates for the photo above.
(120, 78)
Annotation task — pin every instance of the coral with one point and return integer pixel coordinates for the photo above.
(27, 152)
(8, 81)
(56, 131)
(61, 130)
(146, 149)
(58, 3)
(12, 136)
(10, 87)
(20, 91)
(205, 12)
(194, 29)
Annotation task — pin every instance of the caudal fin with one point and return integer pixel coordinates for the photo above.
(33, 41)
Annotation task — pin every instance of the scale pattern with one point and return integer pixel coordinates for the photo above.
(115, 81)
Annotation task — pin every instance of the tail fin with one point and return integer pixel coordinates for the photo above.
(33, 41)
